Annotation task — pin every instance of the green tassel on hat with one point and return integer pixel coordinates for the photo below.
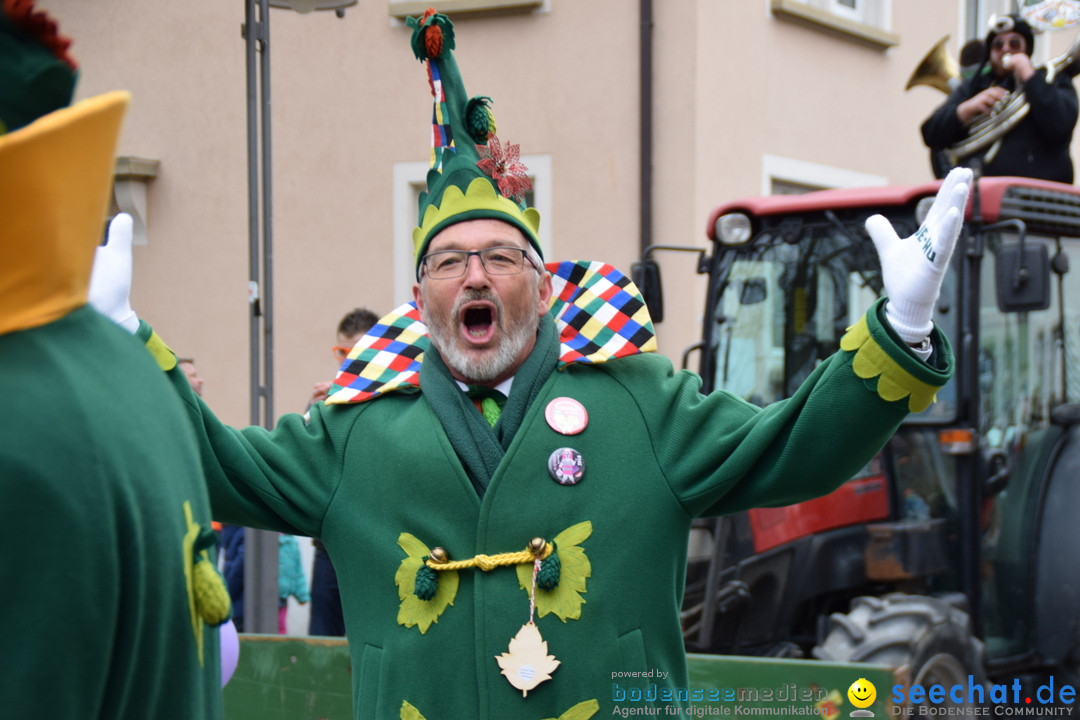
(473, 175)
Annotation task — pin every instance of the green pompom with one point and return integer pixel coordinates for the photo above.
(427, 583)
(479, 120)
(550, 569)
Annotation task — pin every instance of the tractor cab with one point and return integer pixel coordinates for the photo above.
(961, 519)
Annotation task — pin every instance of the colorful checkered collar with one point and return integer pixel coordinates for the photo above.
(598, 312)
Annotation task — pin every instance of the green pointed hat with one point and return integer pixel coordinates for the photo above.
(36, 74)
(472, 174)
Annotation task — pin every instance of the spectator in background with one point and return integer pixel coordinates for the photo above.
(972, 57)
(326, 615)
(291, 579)
(188, 366)
(232, 551)
(350, 329)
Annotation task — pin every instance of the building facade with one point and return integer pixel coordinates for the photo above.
(747, 98)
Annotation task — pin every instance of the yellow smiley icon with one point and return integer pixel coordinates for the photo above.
(862, 693)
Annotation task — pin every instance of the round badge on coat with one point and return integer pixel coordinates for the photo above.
(566, 416)
(566, 466)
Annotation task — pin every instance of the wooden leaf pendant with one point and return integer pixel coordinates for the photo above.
(527, 664)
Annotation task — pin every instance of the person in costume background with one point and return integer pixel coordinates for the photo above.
(504, 563)
(111, 596)
(1038, 146)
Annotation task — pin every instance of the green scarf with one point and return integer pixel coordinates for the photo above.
(479, 446)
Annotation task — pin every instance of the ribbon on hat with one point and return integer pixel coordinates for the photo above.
(473, 175)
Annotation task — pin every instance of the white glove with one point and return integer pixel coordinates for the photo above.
(912, 268)
(110, 279)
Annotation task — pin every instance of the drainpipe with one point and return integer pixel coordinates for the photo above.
(645, 201)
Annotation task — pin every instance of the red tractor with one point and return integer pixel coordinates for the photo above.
(956, 552)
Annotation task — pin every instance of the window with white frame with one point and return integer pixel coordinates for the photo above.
(788, 176)
(410, 180)
(851, 9)
(867, 20)
(406, 8)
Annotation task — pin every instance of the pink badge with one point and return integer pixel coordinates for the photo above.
(566, 416)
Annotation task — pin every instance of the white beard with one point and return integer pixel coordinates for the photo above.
(444, 336)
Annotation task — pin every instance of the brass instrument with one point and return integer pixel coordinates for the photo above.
(937, 69)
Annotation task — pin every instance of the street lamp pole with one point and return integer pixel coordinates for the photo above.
(261, 546)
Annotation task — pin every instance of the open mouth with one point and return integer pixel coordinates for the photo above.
(478, 322)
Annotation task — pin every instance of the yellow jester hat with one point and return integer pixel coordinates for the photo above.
(56, 166)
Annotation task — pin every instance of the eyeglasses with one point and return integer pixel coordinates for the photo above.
(340, 352)
(1013, 44)
(447, 264)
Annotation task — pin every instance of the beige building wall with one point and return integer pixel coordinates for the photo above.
(742, 96)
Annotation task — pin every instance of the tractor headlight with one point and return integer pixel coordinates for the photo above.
(922, 209)
(733, 229)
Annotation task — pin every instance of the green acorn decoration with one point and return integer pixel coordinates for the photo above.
(550, 570)
(427, 583)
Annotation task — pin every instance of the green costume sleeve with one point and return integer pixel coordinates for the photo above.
(722, 455)
(281, 479)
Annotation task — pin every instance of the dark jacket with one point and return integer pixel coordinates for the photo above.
(1037, 147)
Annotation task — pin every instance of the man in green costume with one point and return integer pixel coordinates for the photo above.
(506, 566)
(110, 596)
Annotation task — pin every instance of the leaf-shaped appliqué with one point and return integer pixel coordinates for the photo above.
(413, 610)
(528, 663)
(565, 598)
(581, 711)
(408, 712)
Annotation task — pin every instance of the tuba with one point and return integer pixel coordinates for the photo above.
(987, 130)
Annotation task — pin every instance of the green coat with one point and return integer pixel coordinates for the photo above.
(379, 482)
(102, 504)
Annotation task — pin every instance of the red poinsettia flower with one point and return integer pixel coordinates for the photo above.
(505, 168)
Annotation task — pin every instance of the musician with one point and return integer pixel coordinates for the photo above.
(1038, 146)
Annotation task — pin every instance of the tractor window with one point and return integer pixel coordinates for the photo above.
(785, 308)
(787, 302)
(1028, 362)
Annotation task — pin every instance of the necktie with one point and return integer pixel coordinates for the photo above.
(488, 401)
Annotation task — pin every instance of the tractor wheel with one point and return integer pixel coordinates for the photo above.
(926, 639)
